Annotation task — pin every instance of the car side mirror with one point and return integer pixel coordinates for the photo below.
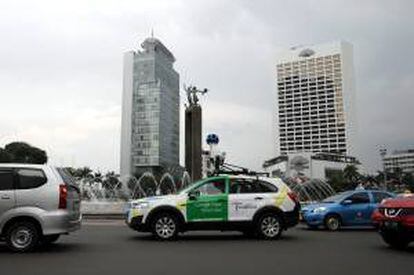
(347, 202)
(193, 195)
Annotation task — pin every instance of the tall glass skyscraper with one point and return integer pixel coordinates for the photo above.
(150, 111)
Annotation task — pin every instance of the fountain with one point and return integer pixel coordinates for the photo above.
(185, 180)
(139, 190)
(163, 188)
(108, 196)
(310, 190)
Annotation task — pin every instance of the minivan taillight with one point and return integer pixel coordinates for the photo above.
(293, 196)
(63, 196)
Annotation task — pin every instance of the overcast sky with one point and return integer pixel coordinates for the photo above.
(61, 69)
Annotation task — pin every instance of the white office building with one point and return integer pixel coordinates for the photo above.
(311, 165)
(315, 99)
(402, 160)
(150, 111)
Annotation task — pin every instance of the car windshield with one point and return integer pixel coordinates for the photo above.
(337, 197)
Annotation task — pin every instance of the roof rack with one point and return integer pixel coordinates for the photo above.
(231, 169)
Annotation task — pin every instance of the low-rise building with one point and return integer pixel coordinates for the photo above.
(308, 164)
(401, 161)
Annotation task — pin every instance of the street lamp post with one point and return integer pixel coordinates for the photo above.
(383, 152)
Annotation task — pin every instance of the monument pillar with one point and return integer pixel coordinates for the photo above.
(193, 133)
(193, 141)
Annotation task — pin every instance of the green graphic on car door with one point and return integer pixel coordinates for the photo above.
(208, 208)
(210, 202)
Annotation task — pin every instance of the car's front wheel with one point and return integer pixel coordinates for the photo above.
(22, 236)
(394, 240)
(165, 226)
(332, 222)
(269, 226)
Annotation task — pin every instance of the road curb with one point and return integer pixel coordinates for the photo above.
(114, 216)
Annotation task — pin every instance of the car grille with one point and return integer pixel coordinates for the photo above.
(407, 212)
(394, 212)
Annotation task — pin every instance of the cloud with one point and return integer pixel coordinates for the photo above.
(244, 131)
(61, 69)
(79, 137)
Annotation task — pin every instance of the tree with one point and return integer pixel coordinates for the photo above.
(110, 180)
(379, 176)
(408, 179)
(4, 156)
(351, 174)
(71, 171)
(97, 176)
(336, 179)
(398, 173)
(84, 172)
(21, 152)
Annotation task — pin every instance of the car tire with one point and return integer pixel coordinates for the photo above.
(395, 241)
(49, 239)
(269, 226)
(165, 226)
(332, 222)
(22, 236)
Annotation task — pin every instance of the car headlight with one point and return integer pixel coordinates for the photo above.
(319, 210)
(139, 205)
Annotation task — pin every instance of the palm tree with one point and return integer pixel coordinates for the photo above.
(351, 173)
(84, 172)
(398, 172)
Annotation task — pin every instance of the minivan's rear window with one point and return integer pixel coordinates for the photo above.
(6, 179)
(30, 178)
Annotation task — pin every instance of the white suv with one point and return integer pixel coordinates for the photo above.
(38, 203)
(254, 205)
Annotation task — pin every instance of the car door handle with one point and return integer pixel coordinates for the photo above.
(5, 197)
(258, 198)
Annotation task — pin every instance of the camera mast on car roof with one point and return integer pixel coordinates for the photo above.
(231, 169)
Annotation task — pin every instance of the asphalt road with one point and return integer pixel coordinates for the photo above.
(112, 248)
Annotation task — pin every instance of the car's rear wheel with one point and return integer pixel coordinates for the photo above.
(332, 222)
(49, 239)
(22, 236)
(269, 226)
(165, 226)
(394, 240)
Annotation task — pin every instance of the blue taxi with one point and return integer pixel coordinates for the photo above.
(350, 208)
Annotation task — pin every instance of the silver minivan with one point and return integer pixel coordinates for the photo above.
(38, 203)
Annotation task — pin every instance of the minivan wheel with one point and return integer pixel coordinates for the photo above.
(269, 226)
(22, 236)
(49, 239)
(165, 226)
